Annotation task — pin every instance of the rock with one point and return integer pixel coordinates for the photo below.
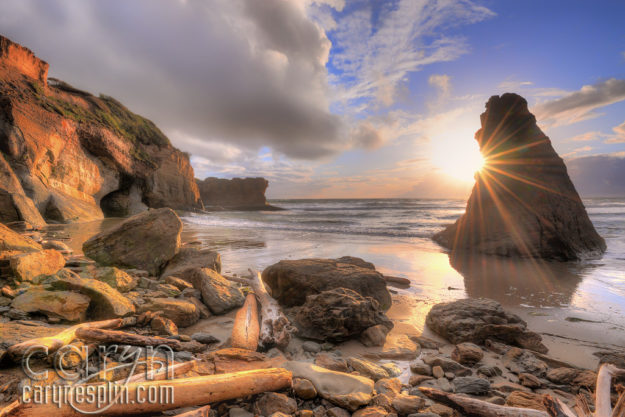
(438, 372)
(524, 399)
(374, 335)
(181, 312)
(234, 194)
(522, 361)
(106, 302)
(416, 380)
(530, 381)
(144, 241)
(551, 223)
(371, 412)
(397, 346)
(168, 289)
(304, 389)
(388, 386)
(204, 311)
(115, 277)
(337, 412)
(57, 245)
(337, 315)
(219, 294)
(12, 243)
(447, 365)
(188, 259)
(392, 369)
(507, 386)
(347, 391)
(407, 404)
(471, 385)
(476, 320)
(274, 402)
(489, 371)
(368, 369)
(467, 354)
(205, 338)
(496, 400)
(332, 362)
(164, 326)
(291, 282)
(14, 204)
(420, 367)
(424, 415)
(67, 305)
(571, 376)
(30, 267)
(239, 412)
(312, 347)
(181, 284)
(444, 384)
(61, 207)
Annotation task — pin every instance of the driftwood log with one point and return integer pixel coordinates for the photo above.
(275, 328)
(200, 412)
(555, 408)
(246, 329)
(54, 343)
(163, 373)
(110, 337)
(184, 392)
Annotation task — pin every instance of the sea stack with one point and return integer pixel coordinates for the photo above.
(523, 203)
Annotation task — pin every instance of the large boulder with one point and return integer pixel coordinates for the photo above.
(145, 241)
(67, 305)
(188, 259)
(523, 203)
(292, 281)
(115, 277)
(219, 294)
(14, 204)
(475, 320)
(234, 194)
(12, 243)
(182, 312)
(345, 390)
(33, 266)
(106, 302)
(339, 314)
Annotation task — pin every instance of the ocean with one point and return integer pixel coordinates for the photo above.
(580, 302)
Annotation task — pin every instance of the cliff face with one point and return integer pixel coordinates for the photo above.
(79, 157)
(523, 203)
(237, 193)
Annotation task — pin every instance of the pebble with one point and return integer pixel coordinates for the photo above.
(304, 389)
(337, 412)
(438, 372)
(392, 369)
(205, 338)
(239, 412)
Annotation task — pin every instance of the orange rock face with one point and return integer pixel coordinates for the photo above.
(80, 157)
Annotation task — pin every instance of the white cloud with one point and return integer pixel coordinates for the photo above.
(619, 134)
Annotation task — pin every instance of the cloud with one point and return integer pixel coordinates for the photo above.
(577, 151)
(587, 137)
(581, 105)
(367, 136)
(619, 134)
(598, 175)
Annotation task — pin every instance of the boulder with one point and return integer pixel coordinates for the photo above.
(447, 365)
(304, 389)
(182, 312)
(471, 385)
(331, 361)
(274, 402)
(467, 354)
(219, 294)
(523, 361)
(368, 369)
(347, 391)
(523, 203)
(524, 399)
(66, 305)
(475, 320)
(374, 335)
(291, 282)
(407, 404)
(234, 194)
(145, 241)
(115, 277)
(65, 208)
(12, 243)
(188, 259)
(371, 412)
(31, 267)
(106, 302)
(163, 326)
(339, 314)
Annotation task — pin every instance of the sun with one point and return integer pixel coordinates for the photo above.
(456, 154)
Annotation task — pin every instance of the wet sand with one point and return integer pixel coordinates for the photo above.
(576, 307)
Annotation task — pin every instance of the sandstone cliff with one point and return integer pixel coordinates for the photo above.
(234, 194)
(77, 157)
(523, 202)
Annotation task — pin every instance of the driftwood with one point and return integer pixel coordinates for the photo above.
(240, 280)
(177, 393)
(246, 329)
(109, 337)
(163, 373)
(54, 343)
(275, 328)
(555, 408)
(200, 412)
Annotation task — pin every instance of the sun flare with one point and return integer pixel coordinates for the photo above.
(455, 154)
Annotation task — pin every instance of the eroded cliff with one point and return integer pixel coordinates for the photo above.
(78, 157)
(234, 194)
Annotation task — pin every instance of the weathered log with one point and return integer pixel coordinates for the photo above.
(556, 408)
(471, 407)
(603, 401)
(275, 328)
(240, 280)
(246, 329)
(54, 343)
(164, 372)
(200, 412)
(177, 393)
(110, 337)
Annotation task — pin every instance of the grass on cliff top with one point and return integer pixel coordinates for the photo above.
(104, 110)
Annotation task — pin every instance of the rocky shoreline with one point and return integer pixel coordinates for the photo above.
(139, 277)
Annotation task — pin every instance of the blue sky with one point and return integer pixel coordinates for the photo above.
(334, 98)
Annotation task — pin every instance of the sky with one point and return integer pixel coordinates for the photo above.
(346, 98)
